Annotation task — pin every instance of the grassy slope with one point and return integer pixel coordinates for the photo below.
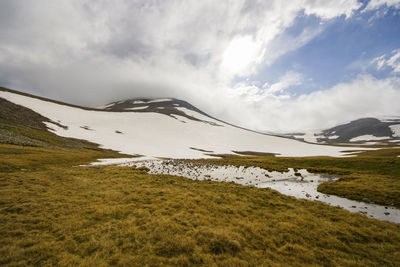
(53, 213)
(22, 126)
(374, 175)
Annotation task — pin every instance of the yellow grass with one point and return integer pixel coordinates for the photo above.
(53, 213)
(372, 176)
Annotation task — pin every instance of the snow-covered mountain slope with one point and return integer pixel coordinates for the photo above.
(156, 134)
(167, 106)
(362, 131)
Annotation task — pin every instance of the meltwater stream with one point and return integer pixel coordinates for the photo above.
(300, 183)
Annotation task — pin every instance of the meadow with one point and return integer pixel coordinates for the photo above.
(53, 212)
(370, 176)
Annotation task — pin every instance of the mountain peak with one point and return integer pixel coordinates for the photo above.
(167, 106)
(368, 131)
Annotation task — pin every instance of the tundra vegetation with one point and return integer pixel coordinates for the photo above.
(370, 176)
(55, 212)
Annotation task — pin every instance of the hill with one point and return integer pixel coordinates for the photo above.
(160, 128)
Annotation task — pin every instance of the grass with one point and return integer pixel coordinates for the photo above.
(372, 176)
(16, 158)
(54, 213)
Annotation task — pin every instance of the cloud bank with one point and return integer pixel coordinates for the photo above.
(365, 96)
(92, 52)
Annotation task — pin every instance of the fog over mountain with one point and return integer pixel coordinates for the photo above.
(264, 65)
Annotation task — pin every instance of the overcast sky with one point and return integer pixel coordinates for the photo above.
(266, 65)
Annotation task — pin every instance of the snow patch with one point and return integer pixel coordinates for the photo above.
(308, 137)
(333, 137)
(389, 119)
(53, 127)
(106, 106)
(137, 108)
(196, 115)
(159, 100)
(118, 161)
(395, 129)
(368, 138)
(180, 118)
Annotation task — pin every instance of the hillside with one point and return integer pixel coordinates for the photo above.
(160, 128)
(22, 126)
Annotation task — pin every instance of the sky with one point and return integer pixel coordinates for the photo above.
(268, 65)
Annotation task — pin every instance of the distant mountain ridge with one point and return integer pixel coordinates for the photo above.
(360, 131)
(146, 104)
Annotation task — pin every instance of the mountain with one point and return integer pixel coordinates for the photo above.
(364, 131)
(167, 128)
(167, 106)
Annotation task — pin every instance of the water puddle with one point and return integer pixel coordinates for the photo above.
(300, 183)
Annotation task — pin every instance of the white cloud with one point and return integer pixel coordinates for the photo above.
(255, 96)
(379, 62)
(331, 9)
(212, 40)
(240, 53)
(391, 60)
(375, 4)
(365, 96)
(394, 61)
(286, 81)
(91, 52)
